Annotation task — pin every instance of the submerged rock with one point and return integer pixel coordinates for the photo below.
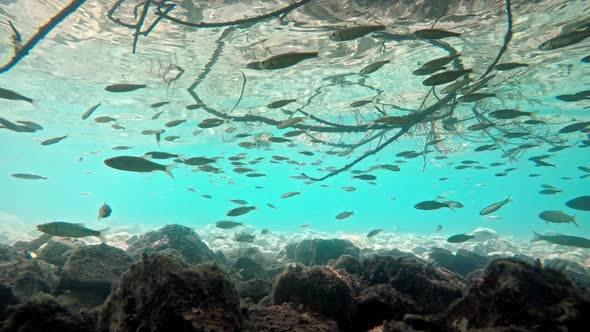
(319, 289)
(319, 251)
(253, 290)
(431, 288)
(247, 268)
(463, 262)
(91, 271)
(44, 313)
(180, 238)
(350, 264)
(24, 275)
(56, 251)
(6, 299)
(380, 303)
(33, 245)
(285, 318)
(513, 295)
(163, 293)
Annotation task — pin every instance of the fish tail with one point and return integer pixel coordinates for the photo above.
(168, 170)
(536, 237)
(508, 199)
(102, 234)
(575, 223)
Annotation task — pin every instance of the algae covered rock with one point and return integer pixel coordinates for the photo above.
(513, 295)
(285, 318)
(321, 290)
(320, 252)
(180, 238)
(431, 288)
(43, 313)
(163, 293)
(93, 269)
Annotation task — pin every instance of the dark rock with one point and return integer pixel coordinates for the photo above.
(34, 244)
(320, 289)
(420, 322)
(247, 268)
(93, 269)
(379, 303)
(181, 238)
(163, 293)
(254, 289)
(56, 251)
(463, 262)
(290, 250)
(350, 264)
(6, 299)
(516, 296)
(433, 289)
(220, 258)
(319, 252)
(285, 318)
(24, 275)
(43, 313)
(396, 326)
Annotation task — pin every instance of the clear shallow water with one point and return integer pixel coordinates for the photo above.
(66, 74)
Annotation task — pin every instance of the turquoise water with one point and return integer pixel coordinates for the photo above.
(67, 73)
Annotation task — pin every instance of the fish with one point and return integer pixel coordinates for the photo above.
(564, 40)
(160, 155)
(427, 71)
(559, 217)
(349, 189)
(360, 103)
(198, 161)
(104, 211)
(393, 168)
(31, 124)
(492, 217)
(394, 120)
(12, 95)
(124, 87)
(66, 229)
(293, 133)
(281, 61)
(290, 122)
(574, 127)
(157, 115)
(280, 103)
(192, 107)
(365, 177)
(239, 201)
(553, 192)
(455, 86)
(581, 203)
(505, 114)
(137, 164)
(271, 206)
(440, 62)
(275, 139)
(477, 85)
(344, 215)
(373, 67)
(159, 104)
(435, 205)
(207, 196)
(438, 228)
(374, 232)
(90, 111)
(474, 97)
(509, 66)
(352, 33)
(584, 169)
(26, 176)
(171, 138)
(290, 194)
(435, 34)
(255, 175)
(564, 240)
(494, 207)
(53, 140)
(265, 231)
(534, 122)
(227, 224)
(585, 59)
(174, 123)
(460, 238)
(480, 126)
(244, 237)
(104, 119)
(118, 127)
(445, 77)
(240, 211)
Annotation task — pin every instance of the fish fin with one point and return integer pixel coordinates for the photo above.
(575, 223)
(508, 199)
(536, 237)
(102, 234)
(168, 170)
